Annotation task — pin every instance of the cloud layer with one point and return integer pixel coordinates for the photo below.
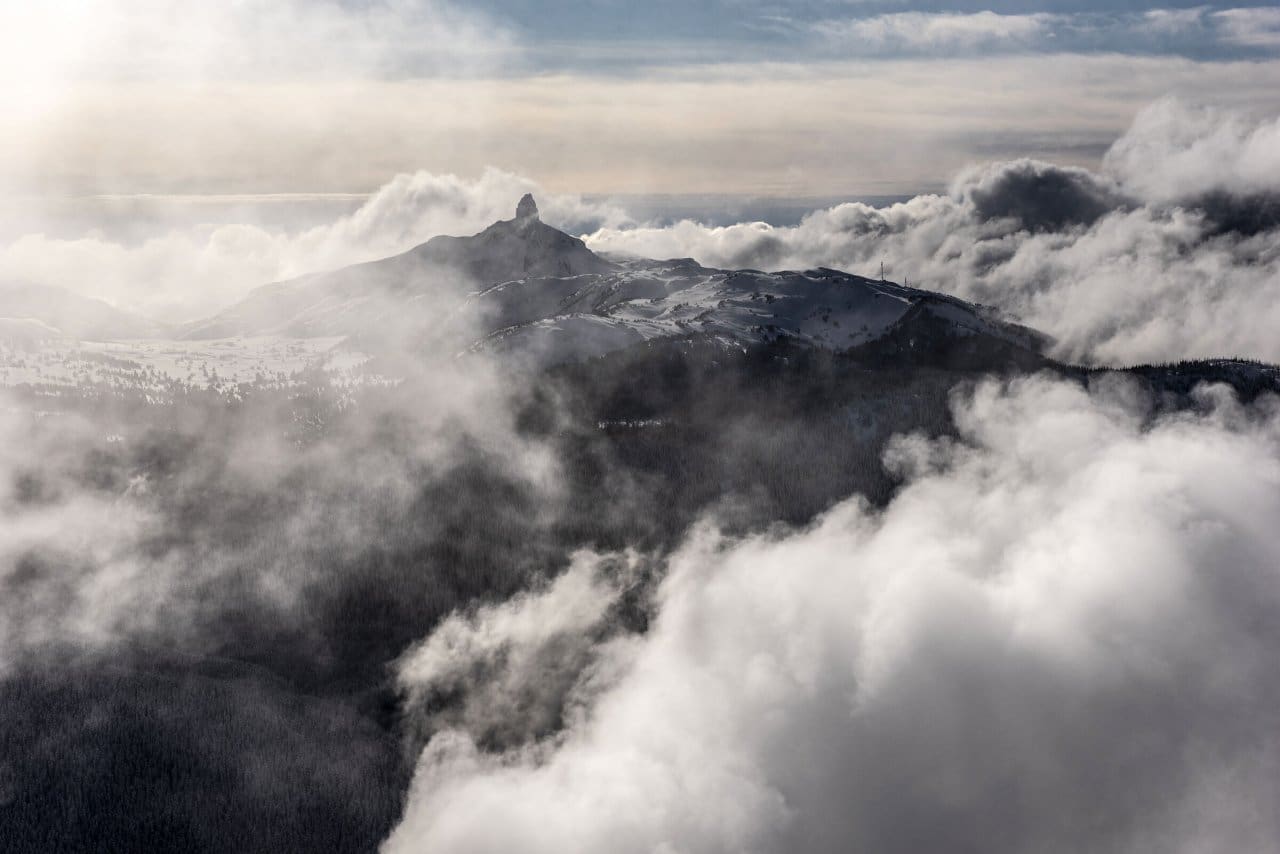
(1058, 637)
(192, 272)
(63, 41)
(1169, 252)
(1200, 32)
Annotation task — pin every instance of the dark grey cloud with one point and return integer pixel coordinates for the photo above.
(1246, 215)
(1041, 197)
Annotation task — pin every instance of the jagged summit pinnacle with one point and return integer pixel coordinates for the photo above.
(527, 208)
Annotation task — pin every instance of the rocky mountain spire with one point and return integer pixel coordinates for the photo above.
(527, 208)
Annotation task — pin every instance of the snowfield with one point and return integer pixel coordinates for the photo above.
(158, 365)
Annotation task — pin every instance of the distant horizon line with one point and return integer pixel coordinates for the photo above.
(591, 196)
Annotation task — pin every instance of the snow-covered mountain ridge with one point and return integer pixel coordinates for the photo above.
(526, 288)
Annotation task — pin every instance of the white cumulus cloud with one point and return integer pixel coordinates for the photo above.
(1059, 637)
(923, 30)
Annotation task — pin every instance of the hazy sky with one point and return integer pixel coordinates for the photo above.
(730, 96)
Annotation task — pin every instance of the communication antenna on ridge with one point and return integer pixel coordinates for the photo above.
(882, 271)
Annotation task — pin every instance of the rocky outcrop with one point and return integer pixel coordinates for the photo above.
(528, 208)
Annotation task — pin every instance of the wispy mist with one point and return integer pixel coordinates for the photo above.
(189, 273)
(200, 596)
